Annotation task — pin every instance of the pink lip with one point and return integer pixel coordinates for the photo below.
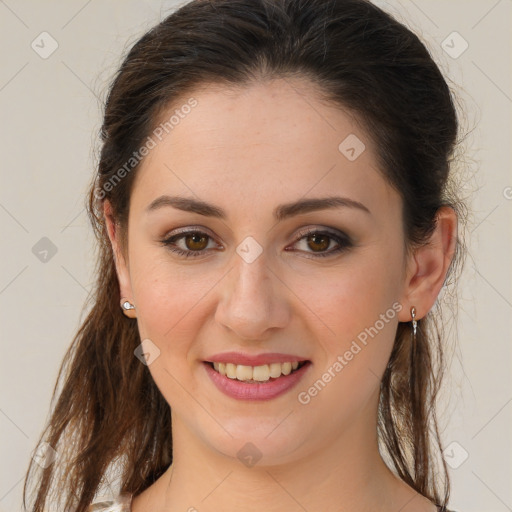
(256, 391)
(256, 360)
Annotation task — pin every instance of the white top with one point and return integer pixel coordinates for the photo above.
(122, 503)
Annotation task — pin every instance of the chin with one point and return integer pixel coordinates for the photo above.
(260, 441)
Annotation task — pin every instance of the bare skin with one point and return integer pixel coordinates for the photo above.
(247, 152)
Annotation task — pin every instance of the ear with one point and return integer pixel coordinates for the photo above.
(123, 275)
(429, 265)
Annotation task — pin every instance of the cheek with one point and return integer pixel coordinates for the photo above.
(361, 311)
(359, 304)
(170, 301)
(170, 297)
(352, 298)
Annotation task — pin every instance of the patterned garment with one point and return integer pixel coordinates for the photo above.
(122, 503)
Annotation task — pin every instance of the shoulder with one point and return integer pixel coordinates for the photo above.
(121, 503)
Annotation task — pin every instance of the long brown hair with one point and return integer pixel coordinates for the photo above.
(108, 412)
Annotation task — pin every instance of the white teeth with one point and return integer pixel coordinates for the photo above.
(260, 373)
(286, 368)
(275, 370)
(243, 372)
(231, 370)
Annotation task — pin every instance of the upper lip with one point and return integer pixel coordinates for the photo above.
(254, 360)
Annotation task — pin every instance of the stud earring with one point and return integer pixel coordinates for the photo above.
(128, 308)
(126, 304)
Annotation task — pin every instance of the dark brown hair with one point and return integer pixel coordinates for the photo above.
(109, 409)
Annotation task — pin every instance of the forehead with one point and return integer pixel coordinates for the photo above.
(269, 142)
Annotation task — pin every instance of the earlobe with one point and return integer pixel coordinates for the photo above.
(431, 264)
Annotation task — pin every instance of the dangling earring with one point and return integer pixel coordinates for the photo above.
(414, 323)
(127, 307)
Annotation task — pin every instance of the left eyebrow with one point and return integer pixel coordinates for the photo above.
(281, 212)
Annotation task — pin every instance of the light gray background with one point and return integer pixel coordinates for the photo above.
(50, 115)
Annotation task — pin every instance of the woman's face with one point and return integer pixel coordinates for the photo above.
(256, 284)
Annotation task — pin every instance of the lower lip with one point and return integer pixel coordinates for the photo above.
(256, 391)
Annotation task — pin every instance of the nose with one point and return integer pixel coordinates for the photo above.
(253, 302)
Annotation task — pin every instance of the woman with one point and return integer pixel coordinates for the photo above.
(276, 220)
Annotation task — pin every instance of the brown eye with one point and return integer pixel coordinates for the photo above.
(196, 242)
(318, 242)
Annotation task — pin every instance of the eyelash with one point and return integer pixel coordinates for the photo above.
(342, 240)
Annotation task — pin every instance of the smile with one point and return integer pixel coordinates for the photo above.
(261, 382)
